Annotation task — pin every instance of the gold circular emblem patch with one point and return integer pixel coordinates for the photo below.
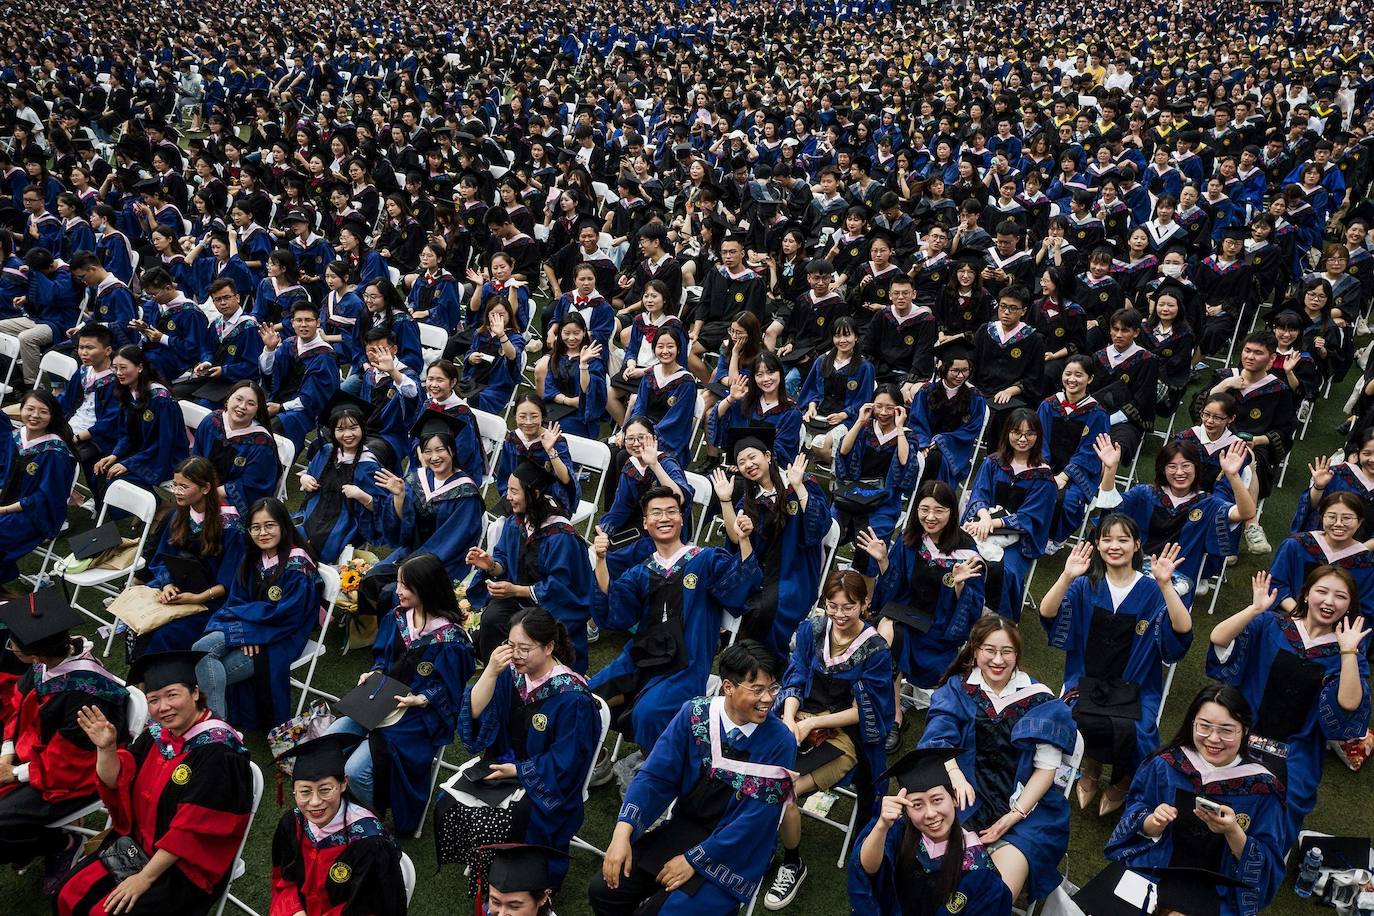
(231, 349)
(689, 580)
(1195, 515)
(181, 775)
(171, 325)
(240, 461)
(539, 721)
(1015, 352)
(424, 669)
(32, 468)
(274, 593)
(853, 385)
(1255, 413)
(339, 873)
(957, 901)
(1058, 332)
(820, 321)
(1141, 627)
(948, 580)
(1242, 820)
(147, 416)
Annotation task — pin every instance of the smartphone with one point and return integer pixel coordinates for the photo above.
(1206, 804)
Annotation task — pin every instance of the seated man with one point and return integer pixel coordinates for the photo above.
(1124, 383)
(172, 329)
(301, 374)
(726, 763)
(231, 350)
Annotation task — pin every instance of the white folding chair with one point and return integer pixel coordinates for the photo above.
(493, 533)
(193, 414)
(492, 431)
(135, 718)
(9, 351)
(142, 505)
(408, 876)
(432, 340)
(240, 868)
(314, 648)
(605, 712)
(702, 495)
(286, 456)
(593, 455)
(55, 367)
(498, 171)
(830, 544)
(394, 275)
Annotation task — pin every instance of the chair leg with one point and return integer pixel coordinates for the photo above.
(433, 784)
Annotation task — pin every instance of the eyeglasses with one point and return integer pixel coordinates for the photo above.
(955, 370)
(995, 652)
(833, 608)
(1207, 729)
(635, 439)
(263, 528)
(1020, 434)
(1219, 418)
(663, 513)
(1011, 307)
(1340, 519)
(758, 692)
(520, 650)
(323, 793)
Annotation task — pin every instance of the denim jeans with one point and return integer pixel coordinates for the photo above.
(358, 769)
(353, 384)
(224, 665)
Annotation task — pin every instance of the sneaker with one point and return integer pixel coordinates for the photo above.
(786, 883)
(1255, 541)
(1200, 366)
(55, 868)
(1203, 588)
(593, 632)
(603, 771)
(1053, 547)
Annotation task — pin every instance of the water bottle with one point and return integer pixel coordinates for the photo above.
(1308, 872)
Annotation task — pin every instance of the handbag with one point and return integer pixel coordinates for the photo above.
(312, 723)
(123, 858)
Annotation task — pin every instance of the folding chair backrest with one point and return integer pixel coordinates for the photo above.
(702, 494)
(286, 456)
(193, 414)
(432, 337)
(492, 430)
(134, 500)
(329, 576)
(605, 714)
(136, 713)
(494, 532)
(408, 876)
(57, 367)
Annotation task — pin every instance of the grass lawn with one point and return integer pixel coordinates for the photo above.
(1346, 801)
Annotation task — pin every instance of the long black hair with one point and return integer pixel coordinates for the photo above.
(951, 864)
(425, 576)
(147, 374)
(290, 539)
(754, 398)
(57, 420)
(543, 628)
(949, 538)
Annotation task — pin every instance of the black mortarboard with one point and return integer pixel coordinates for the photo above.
(533, 475)
(432, 420)
(974, 257)
(1190, 891)
(88, 544)
(342, 398)
(741, 437)
(295, 216)
(522, 868)
(149, 186)
(40, 616)
(922, 769)
(156, 670)
(320, 758)
(1236, 233)
(373, 701)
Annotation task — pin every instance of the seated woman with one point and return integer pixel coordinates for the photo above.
(340, 487)
(37, 468)
(761, 399)
(575, 387)
(1244, 837)
(741, 351)
(1175, 509)
(436, 296)
(1353, 475)
(1012, 499)
(1304, 673)
(1117, 628)
(329, 853)
(929, 590)
(597, 315)
(273, 604)
(441, 382)
(1015, 733)
(791, 518)
(205, 530)
(1212, 436)
(279, 291)
(538, 559)
(1169, 337)
(667, 395)
(534, 727)
(644, 469)
(491, 365)
(152, 438)
(182, 793)
(838, 384)
(1070, 422)
(530, 440)
(1336, 543)
(915, 858)
(875, 470)
(947, 418)
(421, 643)
(434, 509)
(519, 879)
(638, 339)
(47, 765)
(837, 701)
(239, 444)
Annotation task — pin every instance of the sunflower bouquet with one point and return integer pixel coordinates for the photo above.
(358, 630)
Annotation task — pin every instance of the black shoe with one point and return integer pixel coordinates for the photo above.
(1345, 428)
(706, 465)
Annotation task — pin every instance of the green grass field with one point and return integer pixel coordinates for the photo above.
(1346, 802)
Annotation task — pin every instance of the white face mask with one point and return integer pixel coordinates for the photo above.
(1171, 270)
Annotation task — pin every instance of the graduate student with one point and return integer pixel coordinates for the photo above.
(182, 793)
(1304, 673)
(914, 858)
(1340, 517)
(725, 762)
(38, 469)
(301, 374)
(1117, 627)
(1071, 420)
(519, 880)
(533, 725)
(1242, 834)
(152, 437)
(531, 440)
(237, 442)
(875, 470)
(947, 417)
(673, 601)
(330, 855)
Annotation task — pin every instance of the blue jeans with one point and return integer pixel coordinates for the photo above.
(358, 769)
(793, 380)
(224, 665)
(353, 384)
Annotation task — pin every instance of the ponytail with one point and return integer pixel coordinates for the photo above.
(544, 628)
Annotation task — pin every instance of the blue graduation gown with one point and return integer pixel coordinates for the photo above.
(497, 382)
(392, 412)
(105, 431)
(672, 407)
(436, 666)
(275, 610)
(597, 312)
(113, 306)
(403, 328)
(856, 378)
(981, 889)
(187, 333)
(209, 269)
(1199, 525)
(340, 317)
(955, 440)
(343, 521)
(311, 379)
(732, 859)
(866, 670)
(437, 294)
(1300, 554)
(312, 259)
(625, 512)
(41, 474)
(1254, 663)
(709, 580)
(915, 577)
(152, 438)
(867, 457)
(562, 724)
(114, 249)
(444, 519)
(234, 348)
(787, 421)
(793, 560)
(1345, 478)
(1152, 645)
(514, 450)
(1067, 447)
(220, 569)
(273, 304)
(1246, 787)
(565, 379)
(999, 757)
(247, 462)
(1029, 496)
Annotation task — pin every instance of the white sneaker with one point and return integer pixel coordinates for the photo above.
(1255, 541)
(786, 883)
(603, 772)
(1203, 587)
(1053, 547)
